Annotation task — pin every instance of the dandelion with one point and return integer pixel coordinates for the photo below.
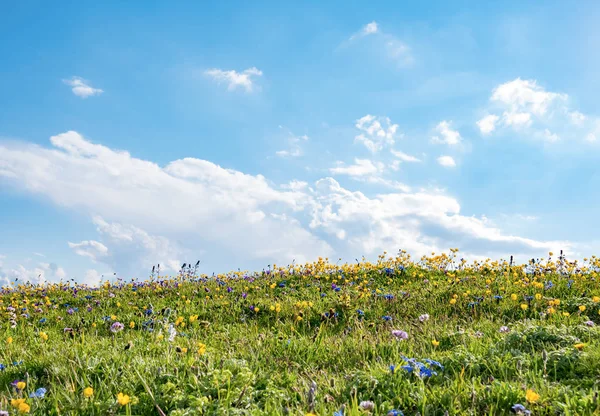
(88, 392)
(201, 348)
(524, 306)
(435, 342)
(531, 396)
(131, 324)
(581, 308)
(514, 296)
(44, 336)
(9, 340)
(123, 399)
(452, 301)
(596, 299)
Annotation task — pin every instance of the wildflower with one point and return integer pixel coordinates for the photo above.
(452, 301)
(524, 306)
(19, 385)
(395, 412)
(24, 408)
(566, 314)
(4, 413)
(579, 346)
(44, 336)
(424, 317)
(581, 308)
(435, 342)
(116, 327)
(596, 299)
(123, 399)
(131, 324)
(16, 402)
(589, 323)
(387, 318)
(9, 340)
(399, 334)
(201, 348)
(88, 392)
(531, 396)
(520, 409)
(514, 297)
(39, 393)
(367, 405)
(392, 368)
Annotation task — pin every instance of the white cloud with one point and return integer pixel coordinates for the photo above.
(43, 272)
(82, 88)
(529, 108)
(368, 29)
(294, 142)
(390, 45)
(89, 248)
(404, 157)
(446, 161)
(377, 132)
(448, 135)
(488, 123)
(361, 167)
(235, 79)
(194, 209)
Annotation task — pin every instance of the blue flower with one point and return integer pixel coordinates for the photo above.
(395, 412)
(43, 321)
(2, 367)
(549, 285)
(360, 312)
(387, 318)
(407, 368)
(520, 409)
(392, 368)
(338, 413)
(434, 363)
(39, 393)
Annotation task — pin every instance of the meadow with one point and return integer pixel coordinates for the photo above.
(429, 336)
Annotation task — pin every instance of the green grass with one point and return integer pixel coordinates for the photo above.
(265, 362)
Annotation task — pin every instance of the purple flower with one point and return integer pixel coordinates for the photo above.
(504, 329)
(70, 311)
(116, 327)
(590, 323)
(367, 405)
(399, 334)
(424, 317)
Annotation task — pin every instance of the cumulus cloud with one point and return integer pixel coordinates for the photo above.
(194, 209)
(361, 167)
(487, 124)
(81, 87)
(234, 79)
(376, 132)
(446, 134)
(527, 107)
(43, 272)
(89, 248)
(446, 161)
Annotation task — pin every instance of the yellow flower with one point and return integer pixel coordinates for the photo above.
(579, 346)
(160, 336)
(551, 310)
(538, 296)
(193, 318)
(21, 385)
(24, 408)
(256, 310)
(532, 396)
(44, 336)
(88, 392)
(201, 348)
(94, 325)
(131, 324)
(9, 340)
(272, 308)
(513, 296)
(524, 306)
(452, 301)
(566, 314)
(596, 299)
(298, 318)
(123, 399)
(16, 402)
(113, 317)
(582, 308)
(435, 343)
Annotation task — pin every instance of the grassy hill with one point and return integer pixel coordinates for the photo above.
(429, 337)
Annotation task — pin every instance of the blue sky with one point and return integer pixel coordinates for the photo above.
(249, 134)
